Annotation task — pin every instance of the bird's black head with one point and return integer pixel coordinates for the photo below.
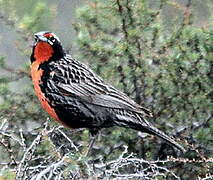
(47, 47)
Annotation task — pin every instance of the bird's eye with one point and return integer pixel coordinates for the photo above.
(52, 39)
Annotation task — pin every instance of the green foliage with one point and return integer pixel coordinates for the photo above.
(2, 61)
(168, 72)
(37, 15)
(7, 174)
(37, 20)
(166, 69)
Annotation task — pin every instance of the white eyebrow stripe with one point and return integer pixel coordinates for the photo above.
(50, 42)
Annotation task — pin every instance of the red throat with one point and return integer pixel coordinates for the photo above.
(43, 51)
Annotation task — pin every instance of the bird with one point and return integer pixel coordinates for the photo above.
(78, 98)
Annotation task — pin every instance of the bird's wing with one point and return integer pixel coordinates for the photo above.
(74, 79)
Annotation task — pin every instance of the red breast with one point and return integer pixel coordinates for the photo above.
(43, 52)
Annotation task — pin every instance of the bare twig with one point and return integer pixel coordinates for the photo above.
(50, 170)
(28, 155)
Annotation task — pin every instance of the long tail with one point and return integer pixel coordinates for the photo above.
(148, 128)
(162, 135)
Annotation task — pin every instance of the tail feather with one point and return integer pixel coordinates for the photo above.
(154, 131)
(141, 124)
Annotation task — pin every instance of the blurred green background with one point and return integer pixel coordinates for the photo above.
(160, 53)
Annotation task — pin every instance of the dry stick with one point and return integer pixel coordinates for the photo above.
(208, 177)
(8, 148)
(115, 165)
(7, 145)
(71, 142)
(50, 169)
(28, 154)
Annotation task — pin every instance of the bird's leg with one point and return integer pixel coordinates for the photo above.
(93, 136)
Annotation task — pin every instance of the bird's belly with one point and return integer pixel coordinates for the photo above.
(78, 114)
